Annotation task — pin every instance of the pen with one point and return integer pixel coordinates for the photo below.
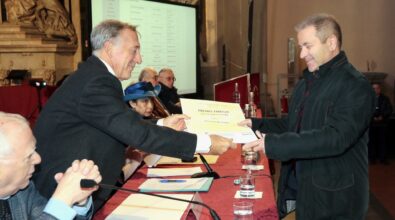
(172, 181)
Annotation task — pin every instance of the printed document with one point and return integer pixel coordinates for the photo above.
(221, 118)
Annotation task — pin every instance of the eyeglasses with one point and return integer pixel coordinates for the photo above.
(170, 78)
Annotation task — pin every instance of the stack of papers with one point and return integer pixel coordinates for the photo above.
(161, 172)
(139, 206)
(176, 185)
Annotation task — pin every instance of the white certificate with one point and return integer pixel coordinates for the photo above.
(221, 118)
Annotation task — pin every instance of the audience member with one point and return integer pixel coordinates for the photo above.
(139, 97)
(149, 74)
(87, 117)
(19, 198)
(322, 142)
(378, 127)
(168, 94)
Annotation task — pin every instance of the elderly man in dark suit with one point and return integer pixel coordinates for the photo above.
(87, 117)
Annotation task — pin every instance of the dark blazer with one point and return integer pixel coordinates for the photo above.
(169, 98)
(383, 109)
(328, 150)
(87, 118)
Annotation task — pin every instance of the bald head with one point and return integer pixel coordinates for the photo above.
(149, 74)
(18, 154)
(10, 126)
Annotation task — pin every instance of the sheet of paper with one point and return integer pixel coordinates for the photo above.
(211, 159)
(152, 159)
(138, 206)
(160, 172)
(182, 185)
(221, 118)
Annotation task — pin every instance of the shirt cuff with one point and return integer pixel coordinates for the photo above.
(59, 210)
(160, 122)
(203, 143)
(83, 210)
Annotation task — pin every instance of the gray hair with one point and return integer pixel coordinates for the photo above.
(325, 24)
(107, 30)
(165, 70)
(145, 71)
(5, 118)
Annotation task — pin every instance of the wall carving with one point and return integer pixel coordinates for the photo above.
(49, 16)
(36, 35)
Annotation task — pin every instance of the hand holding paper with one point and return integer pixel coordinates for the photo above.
(256, 145)
(177, 122)
(220, 145)
(246, 122)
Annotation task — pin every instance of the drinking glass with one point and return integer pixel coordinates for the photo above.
(247, 186)
(243, 210)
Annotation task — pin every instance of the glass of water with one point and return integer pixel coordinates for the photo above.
(243, 210)
(247, 186)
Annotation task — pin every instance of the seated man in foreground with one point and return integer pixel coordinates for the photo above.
(19, 198)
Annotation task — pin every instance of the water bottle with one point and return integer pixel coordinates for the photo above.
(236, 94)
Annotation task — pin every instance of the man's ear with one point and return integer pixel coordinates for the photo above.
(108, 48)
(332, 42)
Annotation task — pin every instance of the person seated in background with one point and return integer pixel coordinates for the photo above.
(19, 198)
(378, 127)
(141, 97)
(149, 74)
(168, 94)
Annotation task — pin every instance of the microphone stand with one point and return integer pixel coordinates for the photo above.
(88, 183)
(209, 173)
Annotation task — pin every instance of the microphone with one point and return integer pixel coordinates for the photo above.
(209, 173)
(88, 183)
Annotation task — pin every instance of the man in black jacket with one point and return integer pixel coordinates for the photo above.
(322, 142)
(378, 127)
(87, 117)
(168, 93)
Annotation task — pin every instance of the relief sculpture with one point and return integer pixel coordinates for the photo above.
(49, 16)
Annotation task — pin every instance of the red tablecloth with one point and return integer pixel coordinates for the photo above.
(23, 100)
(221, 194)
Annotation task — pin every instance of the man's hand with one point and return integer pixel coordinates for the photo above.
(177, 122)
(134, 154)
(69, 190)
(256, 145)
(246, 122)
(220, 145)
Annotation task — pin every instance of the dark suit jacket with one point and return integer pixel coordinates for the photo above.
(169, 98)
(87, 118)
